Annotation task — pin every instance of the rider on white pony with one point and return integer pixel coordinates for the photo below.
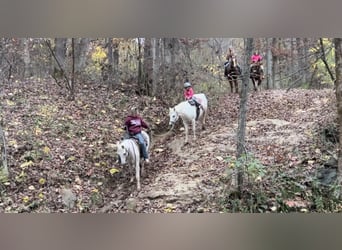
(189, 96)
(134, 124)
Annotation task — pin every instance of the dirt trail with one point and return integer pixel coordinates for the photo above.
(279, 124)
(57, 148)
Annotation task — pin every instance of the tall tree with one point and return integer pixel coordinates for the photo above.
(81, 50)
(156, 65)
(147, 67)
(338, 83)
(60, 53)
(241, 150)
(269, 64)
(3, 163)
(275, 63)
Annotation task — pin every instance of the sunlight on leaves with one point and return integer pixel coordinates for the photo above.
(220, 158)
(38, 131)
(41, 196)
(158, 150)
(113, 171)
(46, 150)
(26, 164)
(26, 199)
(170, 208)
(42, 181)
(10, 103)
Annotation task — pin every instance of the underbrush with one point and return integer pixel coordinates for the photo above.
(267, 189)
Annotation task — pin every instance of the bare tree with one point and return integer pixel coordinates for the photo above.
(269, 64)
(147, 67)
(241, 150)
(338, 84)
(3, 163)
(156, 65)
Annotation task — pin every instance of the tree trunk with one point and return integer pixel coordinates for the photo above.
(156, 65)
(241, 149)
(147, 67)
(116, 56)
(3, 163)
(275, 63)
(81, 49)
(140, 70)
(60, 52)
(72, 81)
(269, 80)
(338, 84)
(26, 58)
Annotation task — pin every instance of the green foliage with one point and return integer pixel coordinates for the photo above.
(251, 166)
(268, 190)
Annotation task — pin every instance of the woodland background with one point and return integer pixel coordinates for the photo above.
(64, 100)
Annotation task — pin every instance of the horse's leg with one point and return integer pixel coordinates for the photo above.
(259, 83)
(204, 115)
(194, 128)
(142, 168)
(231, 86)
(137, 172)
(186, 128)
(254, 84)
(236, 86)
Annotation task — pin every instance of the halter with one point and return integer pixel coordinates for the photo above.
(132, 142)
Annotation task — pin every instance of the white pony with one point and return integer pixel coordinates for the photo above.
(129, 153)
(188, 114)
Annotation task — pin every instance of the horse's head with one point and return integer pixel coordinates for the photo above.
(122, 152)
(233, 61)
(173, 116)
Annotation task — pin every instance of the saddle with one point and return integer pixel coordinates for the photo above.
(131, 136)
(194, 102)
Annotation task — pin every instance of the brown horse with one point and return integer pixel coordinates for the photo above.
(256, 74)
(232, 71)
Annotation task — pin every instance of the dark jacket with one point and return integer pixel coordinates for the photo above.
(134, 124)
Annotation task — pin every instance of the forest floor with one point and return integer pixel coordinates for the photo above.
(62, 156)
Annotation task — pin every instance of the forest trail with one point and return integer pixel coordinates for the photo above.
(281, 132)
(58, 148)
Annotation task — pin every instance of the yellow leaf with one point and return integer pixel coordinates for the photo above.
(95, 190)
(46, 150)
(42, 181)
(97, 164)
(13, 143)
(159, 150)
(26, 164)
(10, 103)
(113, 171)
(31, 188)
(38, 131)
(71, 158)
(26, 199)
(41, 196)
(220, 158)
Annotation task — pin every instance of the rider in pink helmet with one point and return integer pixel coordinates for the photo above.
(257, 58)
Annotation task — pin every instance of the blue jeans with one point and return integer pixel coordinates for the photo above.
(142, 144)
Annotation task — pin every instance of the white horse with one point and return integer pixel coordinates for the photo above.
(128, 151)
(188, 114)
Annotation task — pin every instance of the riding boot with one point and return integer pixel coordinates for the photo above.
(197, 112)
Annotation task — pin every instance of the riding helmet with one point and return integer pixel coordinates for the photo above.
(187, 84)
